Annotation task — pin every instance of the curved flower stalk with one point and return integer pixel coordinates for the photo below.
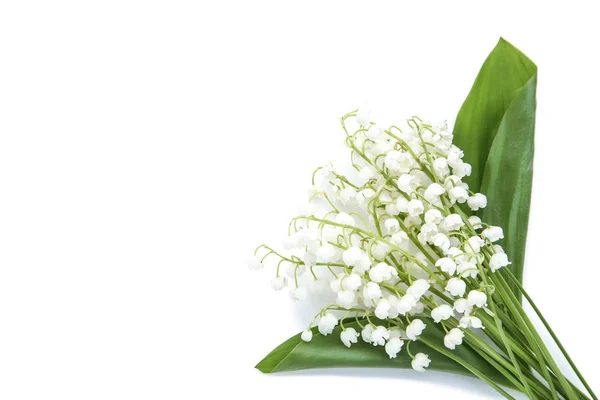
(396, 246)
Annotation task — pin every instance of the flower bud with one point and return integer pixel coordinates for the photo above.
(307, 335)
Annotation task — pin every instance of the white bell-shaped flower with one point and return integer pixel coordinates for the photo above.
(347, 194)
(392, 225)
(453, 222)
(498, 261)
(346, 299)
(493, 233)
(475, 222)
(349, 336)
(469, 321)
(327, 323)
(299, 293)
(351, 282)
(458, 194)
(393, 160)
(383, 309)
(255, 263)
(367, 333)
(461, 170)
(345, 219)
(326, 253)
(336, 285)
(429, 230)
(477, 201)
(278, 282)
(374, 132)
(365, 174)
(380, 272)
(467, 269)
(417, 309)
(399, 238)
(447, 265)
(433, 216)
(463, 306)
(363, 116)
(372, 291)
(456, 287)
(393, 302)
(379, 336)
(474, 244)
(415, 208)
(420, 362)
(391, 209)
(441, 241)
(393, 346)
(362, 266)
(414, 329)
(440, 166)
(433, 192)
(477, 298)
(364, 195)
(402, 205)
(442, 313)
(418, 288)
(405, 304)
(352, 255)
(405, 183)
(380, 250)
(453, 338)
(454, 156)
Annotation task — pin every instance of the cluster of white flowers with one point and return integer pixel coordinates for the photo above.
(394, 241)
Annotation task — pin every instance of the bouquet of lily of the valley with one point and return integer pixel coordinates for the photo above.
(416, 248)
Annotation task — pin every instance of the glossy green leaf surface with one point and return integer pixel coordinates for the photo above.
(495, 129)
(503, 75)
(329, 352)
(508, 176)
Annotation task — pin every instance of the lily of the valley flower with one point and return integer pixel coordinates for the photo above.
(420, 362)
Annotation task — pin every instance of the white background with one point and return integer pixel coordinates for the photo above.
(147, 147)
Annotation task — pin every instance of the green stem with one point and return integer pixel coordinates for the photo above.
(466, 365)
(536, 341)
(522, 351)
(516, 282)
(507, 345)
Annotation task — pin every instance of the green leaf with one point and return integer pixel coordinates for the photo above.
(508, 176)
(329, 352)
(495, 129)
(502, 76)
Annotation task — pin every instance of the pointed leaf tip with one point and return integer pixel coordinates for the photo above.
(502, 98)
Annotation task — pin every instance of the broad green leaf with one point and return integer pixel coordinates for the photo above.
(329, 352)
(495, 129)
(508, 175)
(502, 76)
